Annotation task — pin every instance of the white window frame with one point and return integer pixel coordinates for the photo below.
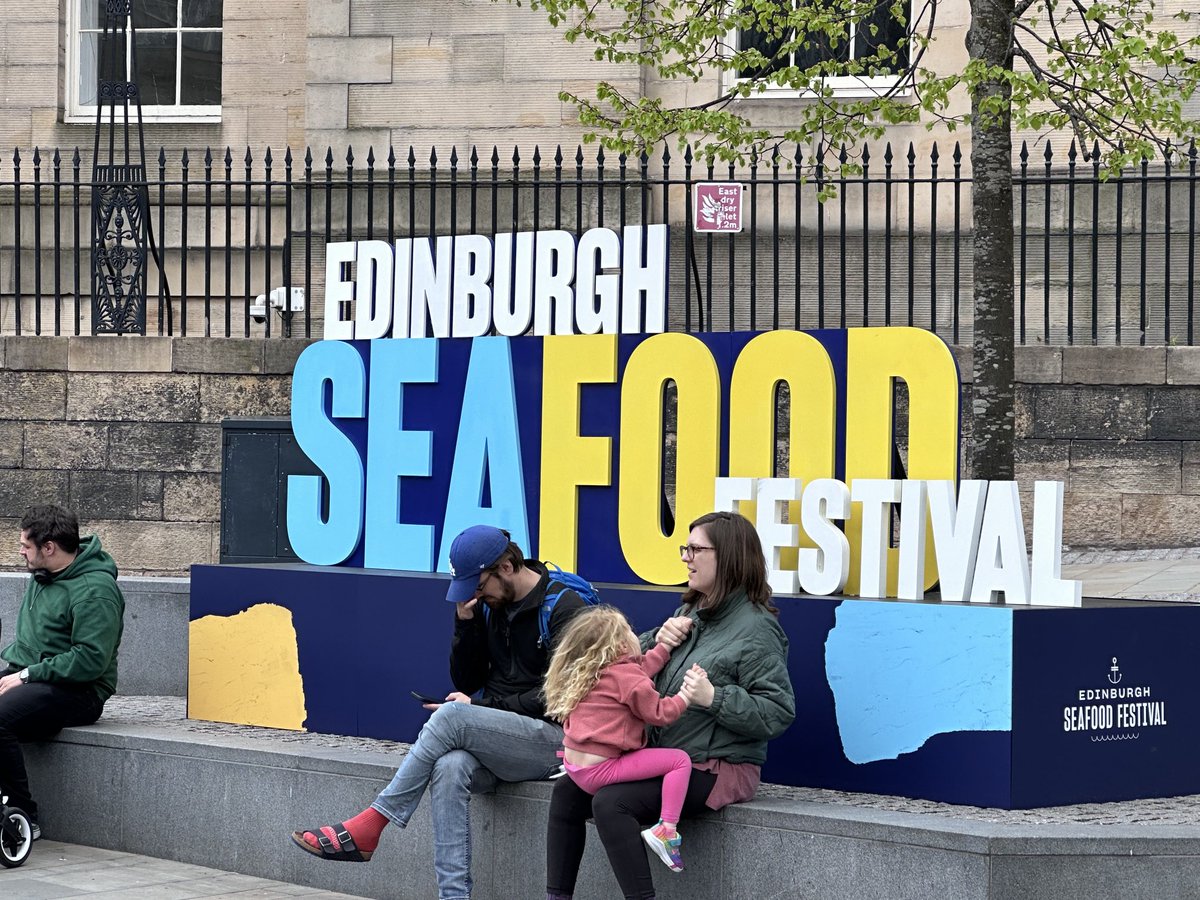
(77, 112)
(846, 87)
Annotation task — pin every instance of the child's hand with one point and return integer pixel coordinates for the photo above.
(699, 689)
(673, 632)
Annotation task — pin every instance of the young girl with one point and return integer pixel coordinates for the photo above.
(599, 686)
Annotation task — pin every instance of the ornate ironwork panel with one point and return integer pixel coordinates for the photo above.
(117, 92)
(120, 199)
(120, 211)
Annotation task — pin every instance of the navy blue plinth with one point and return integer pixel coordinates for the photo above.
(1012, 707)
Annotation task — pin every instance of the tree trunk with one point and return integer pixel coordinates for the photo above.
(992, 394)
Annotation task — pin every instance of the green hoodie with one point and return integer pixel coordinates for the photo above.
(68, 629)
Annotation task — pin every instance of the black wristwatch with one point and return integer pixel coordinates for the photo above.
(24, 676)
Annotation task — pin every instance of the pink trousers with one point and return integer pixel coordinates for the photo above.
(674, 766)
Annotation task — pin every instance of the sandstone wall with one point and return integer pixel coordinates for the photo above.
(1120, 426)
(127, 431)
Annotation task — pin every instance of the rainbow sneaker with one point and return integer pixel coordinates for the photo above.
(667, 848)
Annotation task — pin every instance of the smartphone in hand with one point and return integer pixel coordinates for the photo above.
(425, 698)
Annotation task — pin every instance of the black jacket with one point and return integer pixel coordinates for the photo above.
(503, 657)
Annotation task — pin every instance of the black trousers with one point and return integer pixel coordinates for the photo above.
(35, 712)
(621, 812)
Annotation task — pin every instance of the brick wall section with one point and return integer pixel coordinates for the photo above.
(128, 432)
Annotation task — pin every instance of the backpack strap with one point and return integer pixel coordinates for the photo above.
(546, 611)
(566, 582)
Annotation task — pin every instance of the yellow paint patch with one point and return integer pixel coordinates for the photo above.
(245, 669)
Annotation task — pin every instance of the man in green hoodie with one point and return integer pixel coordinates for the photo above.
(62, 665)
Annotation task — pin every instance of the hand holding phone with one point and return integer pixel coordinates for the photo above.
(426, 698)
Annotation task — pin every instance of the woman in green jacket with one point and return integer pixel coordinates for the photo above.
(727, 625)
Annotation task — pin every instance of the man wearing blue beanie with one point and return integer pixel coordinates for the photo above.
(470, 741)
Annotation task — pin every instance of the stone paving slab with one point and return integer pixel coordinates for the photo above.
(58, 871)
(1156, 574)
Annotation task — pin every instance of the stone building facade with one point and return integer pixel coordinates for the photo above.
(128, 430)
(374, 73)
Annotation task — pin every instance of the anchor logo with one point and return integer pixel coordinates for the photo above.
(1114, 674)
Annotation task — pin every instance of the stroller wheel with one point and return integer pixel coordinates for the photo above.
(16, 838)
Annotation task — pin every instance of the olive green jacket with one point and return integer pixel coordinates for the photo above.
(744, 651)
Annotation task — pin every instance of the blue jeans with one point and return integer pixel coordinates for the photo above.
(464, 747)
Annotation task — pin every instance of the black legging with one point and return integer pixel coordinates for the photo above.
(621, 812)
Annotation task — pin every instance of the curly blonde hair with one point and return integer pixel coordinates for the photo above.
(595, 638)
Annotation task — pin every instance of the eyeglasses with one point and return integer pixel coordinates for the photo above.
(483, 578)
(689, 551)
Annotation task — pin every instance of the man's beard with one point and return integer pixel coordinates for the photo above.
(507, 597)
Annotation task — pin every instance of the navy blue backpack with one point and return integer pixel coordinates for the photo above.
(567, 581)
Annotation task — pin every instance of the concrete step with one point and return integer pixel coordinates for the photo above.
(146, 780)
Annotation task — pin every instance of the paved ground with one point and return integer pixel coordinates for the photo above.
(57, 871)
(1137, 574)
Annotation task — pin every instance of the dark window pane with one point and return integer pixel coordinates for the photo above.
(766, 45)
(889, 32)
(155, 13)
(820, 49)
(100, 57)
(821, 46)
(156, 68)
(201, 70)
(202, 13)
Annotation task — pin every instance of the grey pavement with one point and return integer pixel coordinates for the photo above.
(56, 871)
(1169, 574)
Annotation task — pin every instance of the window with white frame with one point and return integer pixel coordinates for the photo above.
(866, 34)
(176, 45)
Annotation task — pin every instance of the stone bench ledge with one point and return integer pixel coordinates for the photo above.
(227, 795)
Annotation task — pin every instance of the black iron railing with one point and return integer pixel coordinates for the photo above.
(1098, 260)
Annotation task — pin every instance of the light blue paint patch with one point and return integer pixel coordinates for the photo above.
(902, 672)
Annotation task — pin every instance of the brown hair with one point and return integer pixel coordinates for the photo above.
(52, 523)
(512, 553)
(740, 561)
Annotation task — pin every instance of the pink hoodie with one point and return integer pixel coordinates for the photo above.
(612, 718)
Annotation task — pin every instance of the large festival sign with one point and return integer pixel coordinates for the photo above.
(429, 407)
